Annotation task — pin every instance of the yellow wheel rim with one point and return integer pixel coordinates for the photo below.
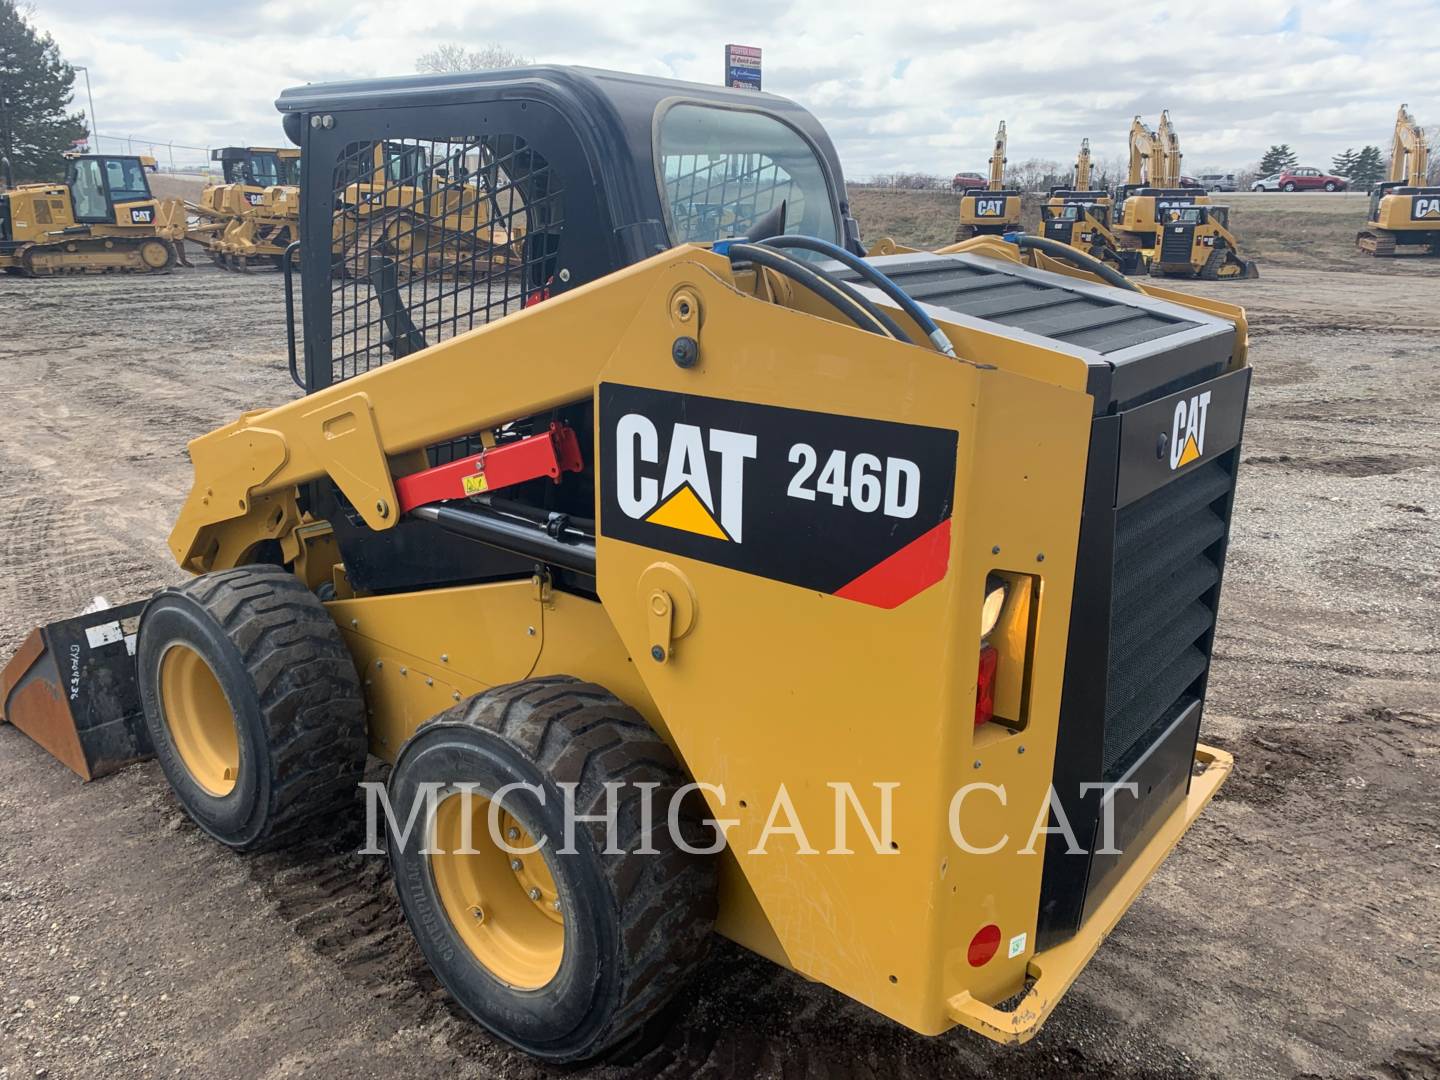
(504, 907)
(153, 254)
(199, 719)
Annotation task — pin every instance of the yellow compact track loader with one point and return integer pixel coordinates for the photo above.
(1404, 213)
(1177, 228)
(1196, 241)
(1081, 217)
(102, 219)
(1152, 185)
(254, 215)
(993, 210)
(701, 573)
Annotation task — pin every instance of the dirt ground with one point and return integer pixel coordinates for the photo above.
(1296, 931)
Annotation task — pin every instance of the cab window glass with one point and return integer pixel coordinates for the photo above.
(265, 170)
(721, 170)
(127, 180)
(88, 188)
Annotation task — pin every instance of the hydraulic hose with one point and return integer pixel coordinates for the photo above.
(902, 299)
(835, 293)
(1074, 257)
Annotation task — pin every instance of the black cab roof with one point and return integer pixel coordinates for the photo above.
(615, 117)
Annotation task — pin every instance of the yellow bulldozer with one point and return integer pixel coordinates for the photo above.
(1404, 214)
(434, 208)
(716, 577)
(992, 210)
(253, 214)
(101, 219)
(1080, 216)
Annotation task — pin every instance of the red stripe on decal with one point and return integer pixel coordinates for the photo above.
(910, 571)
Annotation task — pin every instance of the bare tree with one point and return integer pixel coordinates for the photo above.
(1037, 174)
(452, 58)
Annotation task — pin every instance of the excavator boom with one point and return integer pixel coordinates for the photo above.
(998, 160)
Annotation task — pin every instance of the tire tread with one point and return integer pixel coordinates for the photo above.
(579, 732)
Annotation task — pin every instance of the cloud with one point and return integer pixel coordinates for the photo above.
(918, 86)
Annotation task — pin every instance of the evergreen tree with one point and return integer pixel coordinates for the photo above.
(1344, 164)
(1369, 168)
(1278, 158)
(35, 89)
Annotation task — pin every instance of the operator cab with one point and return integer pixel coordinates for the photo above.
(448, 202)
(99, 183)
(552, 177)
(257, 166)
(1197, 215)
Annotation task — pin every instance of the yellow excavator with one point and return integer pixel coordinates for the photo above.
(1080, 216)
(1404, 212)
(101, 219)
(1178, 228)
(993, 210)
(1152, 184)
(253, 215)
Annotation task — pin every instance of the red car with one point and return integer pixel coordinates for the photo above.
(1305, 179)
(966, 181)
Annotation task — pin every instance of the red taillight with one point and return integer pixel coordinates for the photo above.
(984, 945)
(544, 294)
(985, 685)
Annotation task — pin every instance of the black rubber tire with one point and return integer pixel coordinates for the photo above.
(636, 927)
(291, 684)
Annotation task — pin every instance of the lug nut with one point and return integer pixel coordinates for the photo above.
(512, 833)
(556, 905)
(515, 864)
(534, 894)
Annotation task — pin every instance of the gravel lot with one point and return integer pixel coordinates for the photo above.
(1295, 932)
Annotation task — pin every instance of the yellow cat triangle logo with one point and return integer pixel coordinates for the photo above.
(684, 510)
(1189, 454)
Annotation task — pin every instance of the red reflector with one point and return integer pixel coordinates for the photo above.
(536, 297)
(984, 945)
(985, 686)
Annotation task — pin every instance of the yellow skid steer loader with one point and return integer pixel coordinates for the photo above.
(700, 573)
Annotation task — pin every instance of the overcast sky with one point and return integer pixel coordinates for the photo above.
(917, 84)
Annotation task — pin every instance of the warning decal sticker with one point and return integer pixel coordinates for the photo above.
(853, 507)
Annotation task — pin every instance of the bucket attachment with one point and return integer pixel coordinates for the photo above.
(71, 687)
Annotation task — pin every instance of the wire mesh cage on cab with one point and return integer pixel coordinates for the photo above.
(431, 238)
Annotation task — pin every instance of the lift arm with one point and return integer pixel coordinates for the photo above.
(363, 431)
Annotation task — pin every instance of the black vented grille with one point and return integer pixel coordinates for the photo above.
(1175, 246)
(986, 289)
(1167, 564)
(1059, 229)
(432, 238)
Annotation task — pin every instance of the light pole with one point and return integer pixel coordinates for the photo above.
(94, 127)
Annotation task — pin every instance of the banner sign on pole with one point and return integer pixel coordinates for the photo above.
(742, 67)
